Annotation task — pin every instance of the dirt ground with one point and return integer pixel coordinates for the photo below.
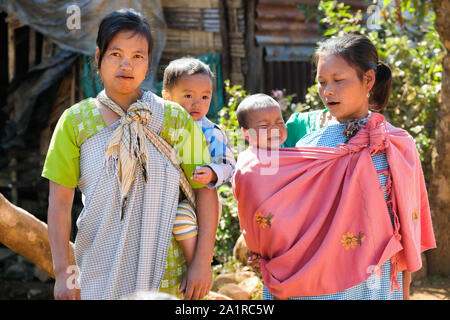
(20, 280)
(431, 288)
(434, 289)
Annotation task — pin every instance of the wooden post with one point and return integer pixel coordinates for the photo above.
(26, 235)
(32, 49)
(254, 80)
(224, 33)
(13, 178)
(439, 258)
(11, 53)
(73, 85)
(47, 48)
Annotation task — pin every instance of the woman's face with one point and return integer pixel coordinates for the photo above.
(341, 90)
(125, 63)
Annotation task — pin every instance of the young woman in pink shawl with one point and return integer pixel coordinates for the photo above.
(344, 214)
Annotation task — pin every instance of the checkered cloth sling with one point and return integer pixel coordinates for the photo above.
(127, 145)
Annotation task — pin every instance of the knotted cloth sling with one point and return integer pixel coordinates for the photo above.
(127, 146)
(321, 223)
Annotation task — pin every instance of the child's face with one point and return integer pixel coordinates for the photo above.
(193, 93)
(125, 63)
(266, 128)
(341, 90)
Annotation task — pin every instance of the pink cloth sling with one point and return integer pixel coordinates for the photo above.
(321, 223)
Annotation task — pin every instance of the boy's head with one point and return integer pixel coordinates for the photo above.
(261, 122)
(189, 82)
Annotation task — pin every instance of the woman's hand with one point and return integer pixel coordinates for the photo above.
(66, 287)
(197, 281)
(253, 261)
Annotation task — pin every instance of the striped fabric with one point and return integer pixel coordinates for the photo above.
(222, 163)
(374, 288)
(185, 225)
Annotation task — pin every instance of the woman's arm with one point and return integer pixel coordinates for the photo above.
(197, 282)
(59, 226)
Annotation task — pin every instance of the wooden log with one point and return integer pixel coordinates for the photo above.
(26, 235)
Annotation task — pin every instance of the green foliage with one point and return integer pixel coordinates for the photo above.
(227, 116)
(409, 43)
(286, 103)
(228, 230)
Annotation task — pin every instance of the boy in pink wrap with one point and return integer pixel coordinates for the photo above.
(345, 214)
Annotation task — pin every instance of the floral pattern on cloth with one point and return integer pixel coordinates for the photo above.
(264, 221)
(415, 215)
(350, 241)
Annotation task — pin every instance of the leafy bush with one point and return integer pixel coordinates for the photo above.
(228, 230)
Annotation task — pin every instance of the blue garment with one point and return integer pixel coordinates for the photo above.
(222, 159)
(373, 288)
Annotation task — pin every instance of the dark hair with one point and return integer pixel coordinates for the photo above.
(252, 103)
(360, 53)
(122, 20)
(184, 66)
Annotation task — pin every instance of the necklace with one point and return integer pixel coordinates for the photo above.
(351, 129)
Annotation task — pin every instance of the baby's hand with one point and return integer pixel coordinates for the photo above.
(204, 175)
(253, 261)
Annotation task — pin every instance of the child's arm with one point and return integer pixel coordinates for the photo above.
(197, 281)
(220, 170)
(204, 175)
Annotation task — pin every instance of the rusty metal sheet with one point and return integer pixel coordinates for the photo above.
(271, 11)
(357, 4)
(293, 38)
(289, 53)
(285, 26)
(281, 23)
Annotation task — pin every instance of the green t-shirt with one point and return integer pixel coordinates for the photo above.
(83, 120)
(300, 124)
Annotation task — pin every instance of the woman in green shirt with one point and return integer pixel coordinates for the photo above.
(302, 123)
(114, 148)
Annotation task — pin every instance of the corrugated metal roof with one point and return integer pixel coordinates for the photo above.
(193, 19)
(284, 31)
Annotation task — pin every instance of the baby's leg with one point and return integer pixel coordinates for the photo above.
(185, 230)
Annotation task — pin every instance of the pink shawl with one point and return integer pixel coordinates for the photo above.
(321, 223)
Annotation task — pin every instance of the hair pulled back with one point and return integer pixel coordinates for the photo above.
(360, 53)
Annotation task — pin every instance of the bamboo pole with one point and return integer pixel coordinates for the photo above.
(26, 235)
